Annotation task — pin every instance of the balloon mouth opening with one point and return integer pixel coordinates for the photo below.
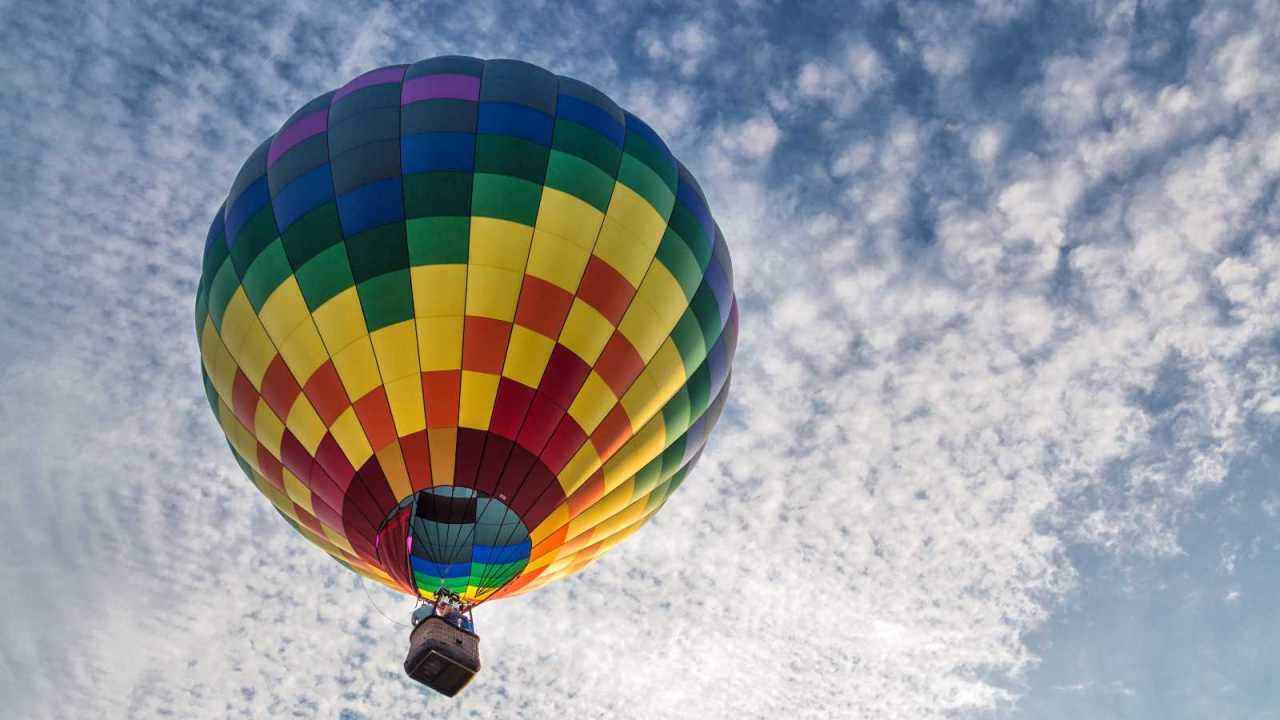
(453, 537)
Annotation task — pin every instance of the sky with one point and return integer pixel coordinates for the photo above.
(1005, 396)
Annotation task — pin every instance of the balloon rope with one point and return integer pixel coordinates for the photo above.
(375, 605)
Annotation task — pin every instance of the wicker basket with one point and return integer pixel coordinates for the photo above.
(441, 656)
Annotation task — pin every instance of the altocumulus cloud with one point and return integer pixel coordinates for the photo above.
(1009, 283)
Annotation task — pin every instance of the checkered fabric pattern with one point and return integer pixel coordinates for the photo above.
(465, 323)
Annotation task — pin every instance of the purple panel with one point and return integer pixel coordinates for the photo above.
(375, 77)
(307, 125)
(430, 87)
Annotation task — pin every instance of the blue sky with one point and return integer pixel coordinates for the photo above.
(1004, 400)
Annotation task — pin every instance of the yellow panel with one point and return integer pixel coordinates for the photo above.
(642, 223)
(438, 290)
(304, 352)
(492, 292)
(305, 424)
(623, 521)
(337, 539)
(579, 469)
(639, 400)
(540, 561)
(273, 494)
(358, 368)
(603, 509)
(407, 408)
(392, 461)
(396, 347)
(349, 433)
(550, 524)
(341, 320)
(585, 331)
(499, 243)
(443, 443)
(572, 219)
(593, 402)
(475, 405)
(661, 379)
(558, 261)
(663, 295)
(638, 451)
(644, 329)
(527, 355)
(298, 492)
(285, 310)
(440, 343)
(256, 353)
(236, 320)
(218, 363)
(268, 428)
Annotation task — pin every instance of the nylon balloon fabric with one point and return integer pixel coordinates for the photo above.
(465, 323)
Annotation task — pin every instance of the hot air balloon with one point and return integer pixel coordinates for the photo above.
(467, 325)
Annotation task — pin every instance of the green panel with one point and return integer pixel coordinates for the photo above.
(312, 233)
(699, 387)
(326, 275)
(427, 583)
(506, 198)
(386, 299)
(437, 193)
(210, 392)
(377, 251)
(439, 240)
(675, 415)
(687, 336)
(641, 178)
(494, 575)
(266, 273)
(221, 289)
(658, 161)
(256, 235)
(690, 231)
(707, 310)
(679, 260)
(672, 456)
(648, 477)
(572, 138)
(573, 175)
(506, 155)
(214, 253)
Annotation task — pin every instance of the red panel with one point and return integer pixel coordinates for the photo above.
(514, 474)
(326, 393)
(539, 497)
(321, 489)
(279, 388)
(619, 364)
(309, 520)
(244, 399)
(330, 456)
(540, 421)
(375, 416)
(612, 432)
(510, 406)
(543, 306)
(587, 495)
(496, 452)
(564, 442)
(295, 456)
(441, 388)
(417, 459)
(391, 551)
(484, 345)
(564, 376)
(604, 289)
(374, 481)
(466, 458)
(271, 468)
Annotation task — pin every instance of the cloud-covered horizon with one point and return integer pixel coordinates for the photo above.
(1010, 295)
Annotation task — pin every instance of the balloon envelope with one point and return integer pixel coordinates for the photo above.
(465, 323)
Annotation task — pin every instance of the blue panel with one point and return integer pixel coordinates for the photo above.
(501, 554)
(250, 201)
(374, 204)
(517, 120)
(636, 126)
(440, 570)
(589, 115)
(309, 191)
(438, 151)
(215, 229)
